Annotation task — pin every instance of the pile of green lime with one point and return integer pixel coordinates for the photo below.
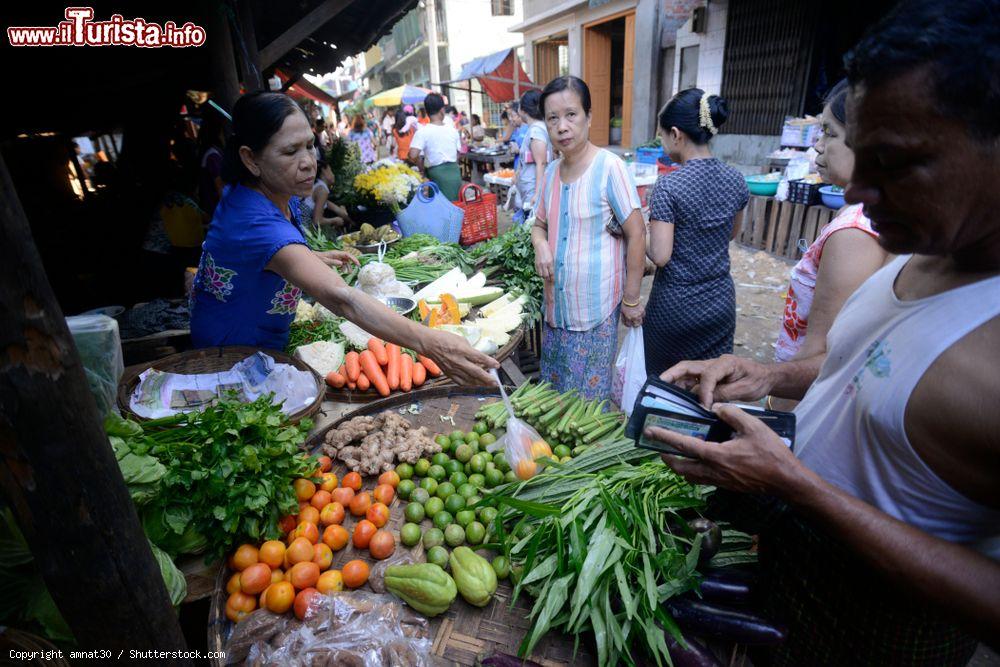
(442, 493)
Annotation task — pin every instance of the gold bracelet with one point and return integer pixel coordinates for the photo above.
(631, 305)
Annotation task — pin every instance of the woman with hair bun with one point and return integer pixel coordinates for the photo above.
(691, 312)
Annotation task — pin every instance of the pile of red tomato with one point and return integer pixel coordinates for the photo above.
(283, 575)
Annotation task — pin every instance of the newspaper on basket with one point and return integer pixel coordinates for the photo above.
(162, 394)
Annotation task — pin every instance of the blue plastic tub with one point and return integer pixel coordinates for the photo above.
(648, 155)
(832, 196)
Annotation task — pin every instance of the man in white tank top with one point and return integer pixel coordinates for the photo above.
(897, 455)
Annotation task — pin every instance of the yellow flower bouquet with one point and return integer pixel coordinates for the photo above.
(387, 183)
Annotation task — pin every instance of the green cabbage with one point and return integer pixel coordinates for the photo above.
(173, 579)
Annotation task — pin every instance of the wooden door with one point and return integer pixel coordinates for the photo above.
(627, 80)
(597, 74)
(546, 62)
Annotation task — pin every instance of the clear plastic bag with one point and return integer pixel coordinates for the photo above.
(100, 348)
(521, 442)
(630, 371)
(355, 628)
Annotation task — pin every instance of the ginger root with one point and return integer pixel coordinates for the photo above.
(372, 445)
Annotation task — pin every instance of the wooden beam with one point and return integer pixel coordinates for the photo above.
(253, 78)
(58, 472)
(304, 27)
(225, 77)
(293, 78)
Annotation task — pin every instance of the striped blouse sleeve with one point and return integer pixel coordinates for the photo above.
(620, 190)
(542, 211)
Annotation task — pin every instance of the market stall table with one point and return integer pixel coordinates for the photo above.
(201, 577)
(463, 633)
(475, 160)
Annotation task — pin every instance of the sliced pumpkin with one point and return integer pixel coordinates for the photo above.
(425, 311)
(451, 313)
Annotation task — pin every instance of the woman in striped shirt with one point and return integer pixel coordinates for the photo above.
(589, 241)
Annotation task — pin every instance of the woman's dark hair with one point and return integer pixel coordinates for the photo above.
(530, 104)
(836, 99)
(684, 113)
(400, 120)
(476, 120)
(559, 84)
(256, 118)
(959, 43)
(504, 116)
(515, 106)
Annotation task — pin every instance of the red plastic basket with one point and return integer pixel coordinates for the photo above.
(480, 209)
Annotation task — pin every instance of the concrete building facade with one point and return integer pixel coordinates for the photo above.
(466, 29)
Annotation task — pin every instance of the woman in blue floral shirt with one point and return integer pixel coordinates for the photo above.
(255, 263)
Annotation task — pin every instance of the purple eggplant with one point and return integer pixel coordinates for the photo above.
(727, 587)
(505, 660)
(714, 622)
(711, 538)
(695, 655)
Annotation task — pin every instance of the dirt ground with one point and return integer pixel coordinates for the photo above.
(761, 281)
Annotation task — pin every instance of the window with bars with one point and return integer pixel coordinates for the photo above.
(766, 63)
(502, 7)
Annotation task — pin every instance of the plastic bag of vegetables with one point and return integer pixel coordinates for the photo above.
(378, 279)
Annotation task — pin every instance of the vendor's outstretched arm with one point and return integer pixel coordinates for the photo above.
(300, 266)
(962, 582)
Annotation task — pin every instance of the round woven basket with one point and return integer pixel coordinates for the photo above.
(345, 395)
(213, 360)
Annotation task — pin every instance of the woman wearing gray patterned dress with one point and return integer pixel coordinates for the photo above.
(691, 312)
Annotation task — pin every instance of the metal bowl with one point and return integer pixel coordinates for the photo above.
(401, 304)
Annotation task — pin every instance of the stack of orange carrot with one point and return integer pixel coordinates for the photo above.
(384, 367)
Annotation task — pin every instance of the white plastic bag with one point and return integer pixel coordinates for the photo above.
(630, 371)
(100, 348)
(521, 442)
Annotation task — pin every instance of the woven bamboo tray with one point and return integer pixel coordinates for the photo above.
(345, 395)
(464, 633)
(212, 360)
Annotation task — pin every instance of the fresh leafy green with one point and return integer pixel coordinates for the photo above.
(605, 558)
(24, 598)
(413, 243)
(228, 475)
(344, 158)
(303, 333)
(514, 257)
(173, 578)
(318, 239)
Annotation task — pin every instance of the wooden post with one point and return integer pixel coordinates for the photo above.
(225, 80)
(253, 78)
(58, 472)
